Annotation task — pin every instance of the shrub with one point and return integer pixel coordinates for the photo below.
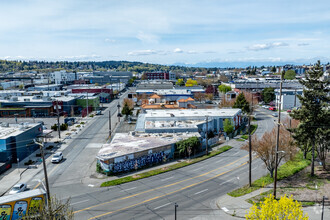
(50, 147)
(82, 123)
(28, 162)
(63, 127)
(54, 127)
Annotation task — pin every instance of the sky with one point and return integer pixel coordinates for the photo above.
(165, 31)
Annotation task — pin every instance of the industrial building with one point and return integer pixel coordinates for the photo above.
(133, 151)
(186, 120)
(16, 141)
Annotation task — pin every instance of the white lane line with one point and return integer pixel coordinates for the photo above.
(129, 189)
(226, 181)
(225, 209)
(90, 185)
(162, 206)
(79, 202)
(167, 178)
(197, 169)
(218, 161)
(201, 191)
(236, 153)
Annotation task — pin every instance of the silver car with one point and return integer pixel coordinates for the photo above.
(19, 187)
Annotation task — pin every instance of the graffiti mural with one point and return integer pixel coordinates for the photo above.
(137, 163)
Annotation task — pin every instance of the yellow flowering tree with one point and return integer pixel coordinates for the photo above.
(285, 208)
(191, 82)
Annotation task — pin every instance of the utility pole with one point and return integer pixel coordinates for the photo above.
(250, 146)
(58, 120)
(175, 206)
(109, 123)
(206, 138)
(295, 97)
(41, 145)
(278, 135)
(87, 103)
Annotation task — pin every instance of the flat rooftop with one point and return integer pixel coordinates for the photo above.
(216, 112)
(123, 143)
(15, 129)
(37, 99)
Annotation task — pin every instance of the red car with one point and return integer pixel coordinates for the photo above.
(289, 110)
(272, 108)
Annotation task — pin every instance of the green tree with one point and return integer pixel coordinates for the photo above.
(242, 103)
(224, 89)
(127, 110)
(188, 145)
(180, 82)
(273, 69)
(314, 113)
(228, 126)
(285, 208)
(21, 86)
(268, 94)
(290, 74)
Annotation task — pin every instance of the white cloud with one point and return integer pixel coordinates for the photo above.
(267, 46)
(177, 50)
(142, 52)
(110, 40)
(81, 57)
(303, 44)
(147, 38)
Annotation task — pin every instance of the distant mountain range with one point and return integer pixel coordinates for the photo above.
(243, 64)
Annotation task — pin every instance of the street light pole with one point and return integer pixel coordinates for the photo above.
(278, 136)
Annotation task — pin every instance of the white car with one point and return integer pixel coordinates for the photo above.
(19, 187)
(57, 157)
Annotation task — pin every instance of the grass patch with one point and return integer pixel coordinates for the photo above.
(253, 128)
(286, 170)
(240, 139)
(307, 203)
(245, 137)
(165, 169)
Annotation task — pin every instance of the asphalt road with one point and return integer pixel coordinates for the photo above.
(66, 177)
(194, 188)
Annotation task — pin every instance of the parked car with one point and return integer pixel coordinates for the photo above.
(272, 108)
(19, 187)
(275, 114)
(58, 157)
(98, 112)
(289, 110)
(208, 102)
